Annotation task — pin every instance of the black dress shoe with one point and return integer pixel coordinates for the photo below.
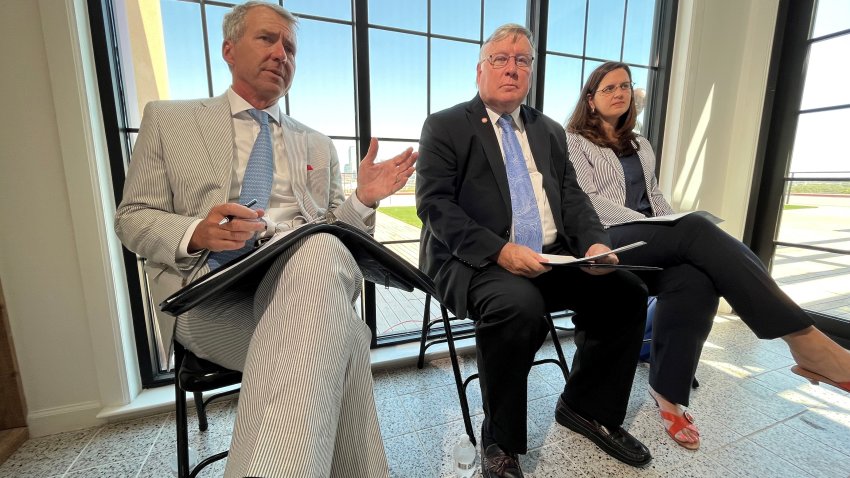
(617, 443)
(498, 464)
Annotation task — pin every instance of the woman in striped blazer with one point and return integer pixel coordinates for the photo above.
(615, 167)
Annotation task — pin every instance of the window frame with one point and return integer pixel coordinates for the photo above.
(777, 134)
(119, 132)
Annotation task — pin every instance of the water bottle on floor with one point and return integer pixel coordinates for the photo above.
(464, 458)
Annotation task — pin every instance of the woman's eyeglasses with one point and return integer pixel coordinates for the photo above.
(610, 89)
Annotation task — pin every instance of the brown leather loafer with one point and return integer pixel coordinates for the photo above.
(497, 464)
(617, 443)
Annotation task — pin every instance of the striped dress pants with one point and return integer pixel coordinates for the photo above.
(307, 407)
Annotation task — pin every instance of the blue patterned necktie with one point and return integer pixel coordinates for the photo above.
(528, 230)
(256, 184)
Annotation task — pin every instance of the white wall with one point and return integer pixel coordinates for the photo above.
(68, 322)
(721, 60)
(59, 261)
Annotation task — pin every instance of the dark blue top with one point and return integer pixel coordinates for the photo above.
(636, 198)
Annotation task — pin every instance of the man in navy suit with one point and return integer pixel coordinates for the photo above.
(470, 248)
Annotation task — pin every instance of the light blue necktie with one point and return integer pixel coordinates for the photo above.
(528, 230)
(256, 184)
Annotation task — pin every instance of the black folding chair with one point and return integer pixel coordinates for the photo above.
(431, 336)
(196, 375)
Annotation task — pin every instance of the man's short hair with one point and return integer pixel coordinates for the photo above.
(233, 26)
(504, 31)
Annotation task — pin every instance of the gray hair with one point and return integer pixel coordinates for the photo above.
(233, 26)
(504, 31)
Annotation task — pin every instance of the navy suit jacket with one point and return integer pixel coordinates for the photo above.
(463, 198)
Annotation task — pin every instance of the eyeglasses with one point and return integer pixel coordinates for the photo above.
(500, 60)
(609, 90)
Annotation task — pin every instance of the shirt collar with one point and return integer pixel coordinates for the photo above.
(514, 114)
(238, 105)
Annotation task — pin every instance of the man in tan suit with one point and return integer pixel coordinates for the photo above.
(306, 406)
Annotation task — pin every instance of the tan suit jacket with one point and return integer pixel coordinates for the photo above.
(182, 167)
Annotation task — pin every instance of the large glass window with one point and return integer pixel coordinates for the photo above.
(585, 33)
(811, 255)
(421, 58)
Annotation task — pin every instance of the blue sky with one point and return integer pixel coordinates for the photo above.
(322, 94)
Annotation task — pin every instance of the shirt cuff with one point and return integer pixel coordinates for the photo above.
(362, 209)
(183, 250)
(271, 227)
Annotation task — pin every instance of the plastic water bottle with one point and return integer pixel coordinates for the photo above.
(464, 457)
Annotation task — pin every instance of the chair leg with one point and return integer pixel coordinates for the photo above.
(182, 432)
(201, 408)
(426, 320)
(562, 361)
(461, 385)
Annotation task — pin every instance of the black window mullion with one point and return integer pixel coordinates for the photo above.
(660, 64)
(584, 39)
(207, 61)
(428, 61)
(784, 92)
(112, 105)
(539, 23)
(623, 31)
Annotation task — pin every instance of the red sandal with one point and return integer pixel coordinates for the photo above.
(677, 424)
(814, 378)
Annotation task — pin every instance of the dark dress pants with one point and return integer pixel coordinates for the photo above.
(701, 263)
(511, 327)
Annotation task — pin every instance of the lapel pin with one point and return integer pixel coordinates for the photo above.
(484, 120)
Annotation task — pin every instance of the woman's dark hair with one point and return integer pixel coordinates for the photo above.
(588, 123)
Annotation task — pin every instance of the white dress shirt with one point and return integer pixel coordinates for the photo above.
(283, 207)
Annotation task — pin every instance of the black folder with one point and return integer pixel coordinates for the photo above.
(377, 263)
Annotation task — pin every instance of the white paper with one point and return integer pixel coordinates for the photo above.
(555, 259)
(674, 217)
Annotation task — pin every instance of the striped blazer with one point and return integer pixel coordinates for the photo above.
(601, 176)
(182, 166)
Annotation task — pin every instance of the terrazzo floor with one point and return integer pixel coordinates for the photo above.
(756, 417)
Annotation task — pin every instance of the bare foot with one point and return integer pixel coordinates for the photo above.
(814, 351)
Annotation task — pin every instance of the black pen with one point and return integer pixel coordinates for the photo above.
(227, 219)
